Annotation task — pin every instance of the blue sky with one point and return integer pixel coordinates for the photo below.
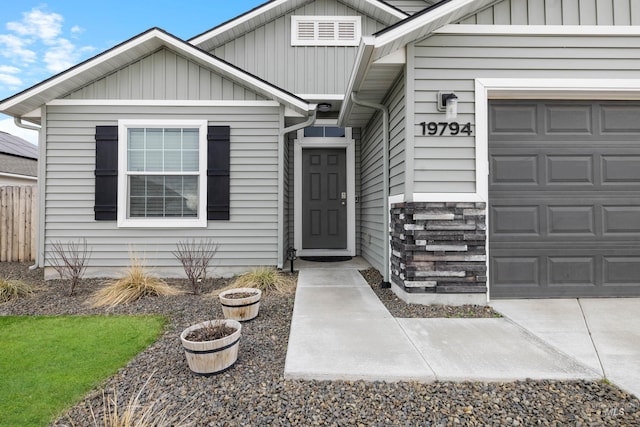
(40, 39)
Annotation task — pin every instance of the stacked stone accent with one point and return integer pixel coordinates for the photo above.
(439, 247)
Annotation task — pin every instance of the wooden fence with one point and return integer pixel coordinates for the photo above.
(18, 223)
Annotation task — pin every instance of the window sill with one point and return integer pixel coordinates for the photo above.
(162, 223)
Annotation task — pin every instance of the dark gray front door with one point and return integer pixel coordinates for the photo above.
(324, 204)
(564, 197)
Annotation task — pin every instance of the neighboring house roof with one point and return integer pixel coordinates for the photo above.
(275, 8)
(119, 56)
(16, 146)
(377, 66)
(18, 158)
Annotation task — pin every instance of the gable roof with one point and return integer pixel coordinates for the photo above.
(275, 8)
(16, 146)
(129, 51)
(373, 75)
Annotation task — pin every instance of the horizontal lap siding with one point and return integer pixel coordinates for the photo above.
(396, 103)
(451, 62)
(267, 53)
(371, 194)
(249, 238)
(559, 12)
(164, 75)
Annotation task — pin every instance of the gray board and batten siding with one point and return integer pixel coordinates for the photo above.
(249, 238)
(165, 75)
(453, 62)
(559, 12)
(267, 52)
(564, 211)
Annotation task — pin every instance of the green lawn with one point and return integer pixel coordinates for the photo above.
(48, 363)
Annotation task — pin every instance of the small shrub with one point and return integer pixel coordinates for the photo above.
(12, 289)
(195, 258)
(136, 283)
(266, 279)
(70, 261)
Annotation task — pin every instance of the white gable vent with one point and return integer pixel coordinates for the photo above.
(325, 30)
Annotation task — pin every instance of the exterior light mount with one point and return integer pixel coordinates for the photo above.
(448, 103)
(324, 107)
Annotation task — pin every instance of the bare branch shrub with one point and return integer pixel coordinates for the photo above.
(195, 258)
(70, 261)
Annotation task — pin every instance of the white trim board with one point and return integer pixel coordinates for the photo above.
(348, 144)
(161, 103)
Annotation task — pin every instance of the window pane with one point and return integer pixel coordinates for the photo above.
(136, 160)
(334, 132)
(172, 139)
(190, 139)
(163, 196)
(136, 139)
(153, 162)
(190, 161)
(173, 161)
(314, 132)
(154, 139)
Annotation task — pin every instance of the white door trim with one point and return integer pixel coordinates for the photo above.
(349, 145)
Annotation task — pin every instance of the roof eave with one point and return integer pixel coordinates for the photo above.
(26, 101)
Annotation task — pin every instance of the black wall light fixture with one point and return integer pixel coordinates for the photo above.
(448, 103)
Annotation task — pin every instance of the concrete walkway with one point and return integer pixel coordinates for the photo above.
(341, 330)
(602, 333)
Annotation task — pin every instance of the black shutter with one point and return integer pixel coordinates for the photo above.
(218, 145)
(106, 197)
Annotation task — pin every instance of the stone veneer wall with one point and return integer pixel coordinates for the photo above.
(439, 247)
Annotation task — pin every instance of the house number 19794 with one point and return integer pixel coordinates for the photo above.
(448, 128)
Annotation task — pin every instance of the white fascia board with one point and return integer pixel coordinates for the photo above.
(541, 30)
(395, 58)
(158, 38)
(274, 4)
(161, 103)
(240, 20)
(358, 73)
(70, 74)
(421, 25)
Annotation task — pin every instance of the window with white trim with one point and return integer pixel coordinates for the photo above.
(162, 173)
(325, 30)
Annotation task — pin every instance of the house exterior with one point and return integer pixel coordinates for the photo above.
(18, 161)
(468, 149)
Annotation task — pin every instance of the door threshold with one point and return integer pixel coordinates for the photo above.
(325, 252)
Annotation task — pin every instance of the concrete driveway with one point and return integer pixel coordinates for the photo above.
(603, 333)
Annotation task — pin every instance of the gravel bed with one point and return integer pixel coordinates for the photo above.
(399, 308)
(253, 392)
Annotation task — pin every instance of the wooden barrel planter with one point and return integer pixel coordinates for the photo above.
(240, 303)
(214, 356)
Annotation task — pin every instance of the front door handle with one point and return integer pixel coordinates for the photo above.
(343, 197)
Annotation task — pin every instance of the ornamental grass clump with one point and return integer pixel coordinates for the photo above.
(12, 289)
(268, 280)
(137, 283)
(136, 414)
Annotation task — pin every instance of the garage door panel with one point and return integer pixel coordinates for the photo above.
(568, 119)
(567, 169)
(514, 119)
(564, 203)
(620, 118)
(621, 169)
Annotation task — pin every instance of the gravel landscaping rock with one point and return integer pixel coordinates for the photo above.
(254, 393)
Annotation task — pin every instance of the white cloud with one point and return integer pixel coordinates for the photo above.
(8, 126)
(77, 30)
(9, 69)
(9, 80)
(45, 26)
(63, 55)
(14, 48)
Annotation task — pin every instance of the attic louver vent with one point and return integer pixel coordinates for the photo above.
(325, 30)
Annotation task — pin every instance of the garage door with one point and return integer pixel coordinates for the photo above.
(564, 199)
